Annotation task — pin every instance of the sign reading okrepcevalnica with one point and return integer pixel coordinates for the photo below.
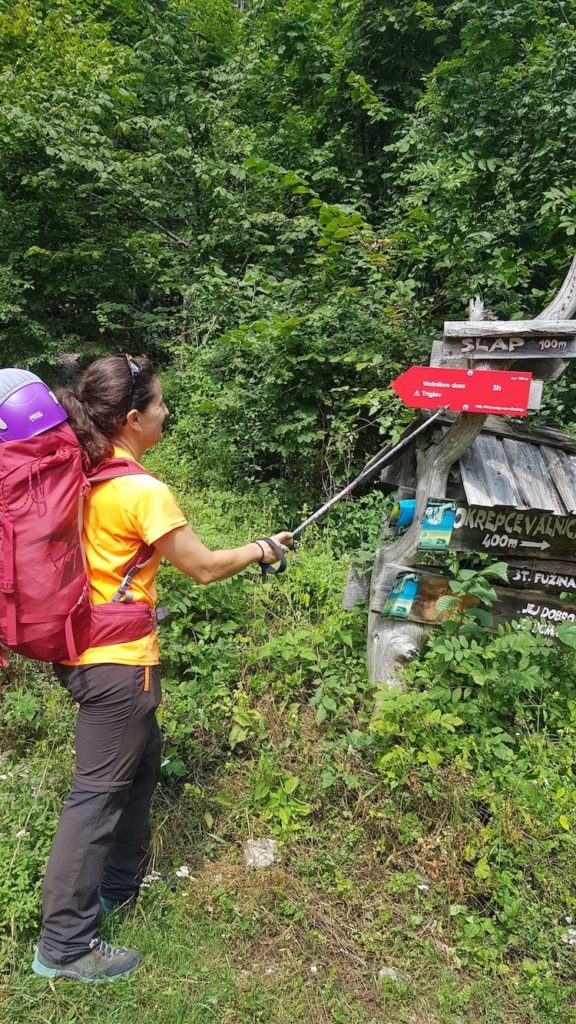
(527, 533)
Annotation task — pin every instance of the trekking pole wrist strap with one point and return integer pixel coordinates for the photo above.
(271, 570)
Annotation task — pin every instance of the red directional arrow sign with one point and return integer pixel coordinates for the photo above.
(498, 392)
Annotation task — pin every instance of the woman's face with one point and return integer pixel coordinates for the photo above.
(152, 418)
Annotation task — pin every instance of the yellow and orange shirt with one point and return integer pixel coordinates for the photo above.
(119, 515)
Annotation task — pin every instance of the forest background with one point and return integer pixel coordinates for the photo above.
(280, 202)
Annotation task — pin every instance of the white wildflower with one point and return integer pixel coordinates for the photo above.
(183, 871)
(151, 879)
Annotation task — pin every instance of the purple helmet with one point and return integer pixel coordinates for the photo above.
(27, 406)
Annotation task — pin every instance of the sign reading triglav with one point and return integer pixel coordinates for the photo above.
(499, 392)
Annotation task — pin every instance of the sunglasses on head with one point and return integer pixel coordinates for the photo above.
(135, 369)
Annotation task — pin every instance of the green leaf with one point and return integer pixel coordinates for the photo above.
(566, 632)
(499, 570)
(482, 869)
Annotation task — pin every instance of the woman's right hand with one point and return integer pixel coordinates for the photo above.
(284, 540)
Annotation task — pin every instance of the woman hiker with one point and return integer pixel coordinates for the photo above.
(100, 850)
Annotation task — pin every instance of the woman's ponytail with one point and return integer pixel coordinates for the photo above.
(97, 407)
(92, 440)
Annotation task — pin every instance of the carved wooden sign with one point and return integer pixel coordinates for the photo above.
(524, 532)
(415, 593)
(550, 577)
(509, 339)
(501, 529)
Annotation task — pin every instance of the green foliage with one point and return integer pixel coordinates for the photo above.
(35, 771)
(277, 797)
(453, 800)
(497, 711)
(281, 202)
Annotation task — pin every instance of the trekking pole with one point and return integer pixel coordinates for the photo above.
(378, 462)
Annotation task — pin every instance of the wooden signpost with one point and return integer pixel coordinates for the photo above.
(415, 593)
(509, 348)
(552, 578)
(538, 544)
(530, 532)
(500, 529)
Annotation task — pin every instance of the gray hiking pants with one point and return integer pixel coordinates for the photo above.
(101, 844)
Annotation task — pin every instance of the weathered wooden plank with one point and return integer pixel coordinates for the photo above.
(402, 472)
(474, 479)
(535, 396)
(503, 530)
(562, 469)
(543, 355)
(538, 328)
(510, 348)
(489, 452)
(522, 430)
(420, 602)
(482, 486)
(357, 587)
(548, 577)
(543, 369)
(531, 476)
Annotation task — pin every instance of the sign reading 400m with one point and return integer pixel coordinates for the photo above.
(529, 532)
(526, 533)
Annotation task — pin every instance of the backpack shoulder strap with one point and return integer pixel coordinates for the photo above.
(110, 469)
(114, 467)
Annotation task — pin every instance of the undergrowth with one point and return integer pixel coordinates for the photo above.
(425, 836)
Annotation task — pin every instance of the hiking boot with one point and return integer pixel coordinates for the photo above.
(103, 963)
(108, 906)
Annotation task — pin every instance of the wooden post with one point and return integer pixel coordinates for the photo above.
(392, 641)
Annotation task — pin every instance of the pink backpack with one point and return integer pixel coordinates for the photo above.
(45, 610)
